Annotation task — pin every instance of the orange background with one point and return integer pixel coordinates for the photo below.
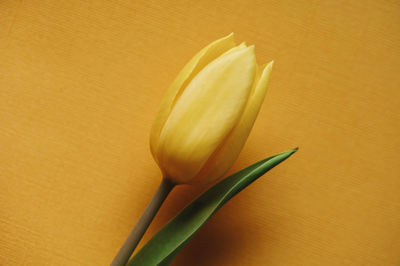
(80, 83)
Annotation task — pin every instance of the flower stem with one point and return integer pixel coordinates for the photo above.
(141, 226)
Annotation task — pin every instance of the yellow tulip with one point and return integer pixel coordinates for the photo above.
(208, 112)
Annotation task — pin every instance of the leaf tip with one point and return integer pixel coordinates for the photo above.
(290, 152)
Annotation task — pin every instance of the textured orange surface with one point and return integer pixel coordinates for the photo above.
(80, 83)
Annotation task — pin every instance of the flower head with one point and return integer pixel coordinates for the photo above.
(208, 112)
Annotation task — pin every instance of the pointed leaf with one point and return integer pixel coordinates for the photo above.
(166, 244)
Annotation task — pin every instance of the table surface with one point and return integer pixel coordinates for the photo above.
(80, 83)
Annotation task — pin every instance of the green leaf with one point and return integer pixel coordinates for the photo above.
(166, 244)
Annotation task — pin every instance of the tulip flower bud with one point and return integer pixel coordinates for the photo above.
(208, 112)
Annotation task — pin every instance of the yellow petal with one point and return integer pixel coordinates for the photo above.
(234, 49)
(223, 158)
(206, 112)
(195, 65)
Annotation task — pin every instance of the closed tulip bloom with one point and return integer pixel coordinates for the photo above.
(208, 112)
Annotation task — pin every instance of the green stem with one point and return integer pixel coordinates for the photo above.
(141, 226)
